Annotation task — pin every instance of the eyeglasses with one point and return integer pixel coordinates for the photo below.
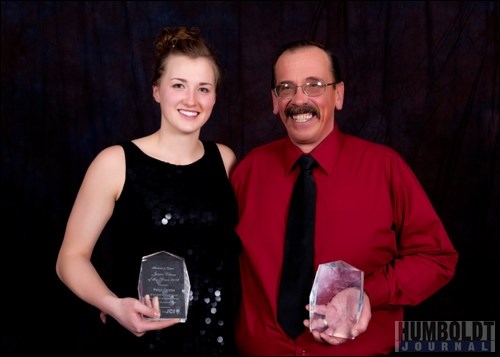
(311, 89)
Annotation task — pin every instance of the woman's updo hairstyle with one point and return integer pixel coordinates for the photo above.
(184, 41)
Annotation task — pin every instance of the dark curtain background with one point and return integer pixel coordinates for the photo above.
(421, 77)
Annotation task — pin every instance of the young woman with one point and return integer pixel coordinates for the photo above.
(168, 191)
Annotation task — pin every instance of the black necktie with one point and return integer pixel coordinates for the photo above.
(298, 261)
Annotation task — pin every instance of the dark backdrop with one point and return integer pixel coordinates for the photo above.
(421, 77)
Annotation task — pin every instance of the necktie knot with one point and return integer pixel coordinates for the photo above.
(306, 162)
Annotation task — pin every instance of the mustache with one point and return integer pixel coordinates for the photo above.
(306, 108)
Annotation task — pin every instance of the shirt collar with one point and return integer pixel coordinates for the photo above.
(326, 153)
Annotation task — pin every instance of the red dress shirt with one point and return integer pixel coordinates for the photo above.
(371, 213)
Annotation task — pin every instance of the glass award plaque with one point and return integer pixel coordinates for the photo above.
(164, 283)
(336, 299)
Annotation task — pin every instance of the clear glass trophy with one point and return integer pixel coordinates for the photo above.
(336, 299)
(164, 283)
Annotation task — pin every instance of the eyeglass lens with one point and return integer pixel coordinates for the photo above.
(311, 89)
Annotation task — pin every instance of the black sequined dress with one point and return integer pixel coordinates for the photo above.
(190, 211)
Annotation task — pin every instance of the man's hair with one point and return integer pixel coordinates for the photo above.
(334, 63)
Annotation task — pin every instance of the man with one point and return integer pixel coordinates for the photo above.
(371, 212)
